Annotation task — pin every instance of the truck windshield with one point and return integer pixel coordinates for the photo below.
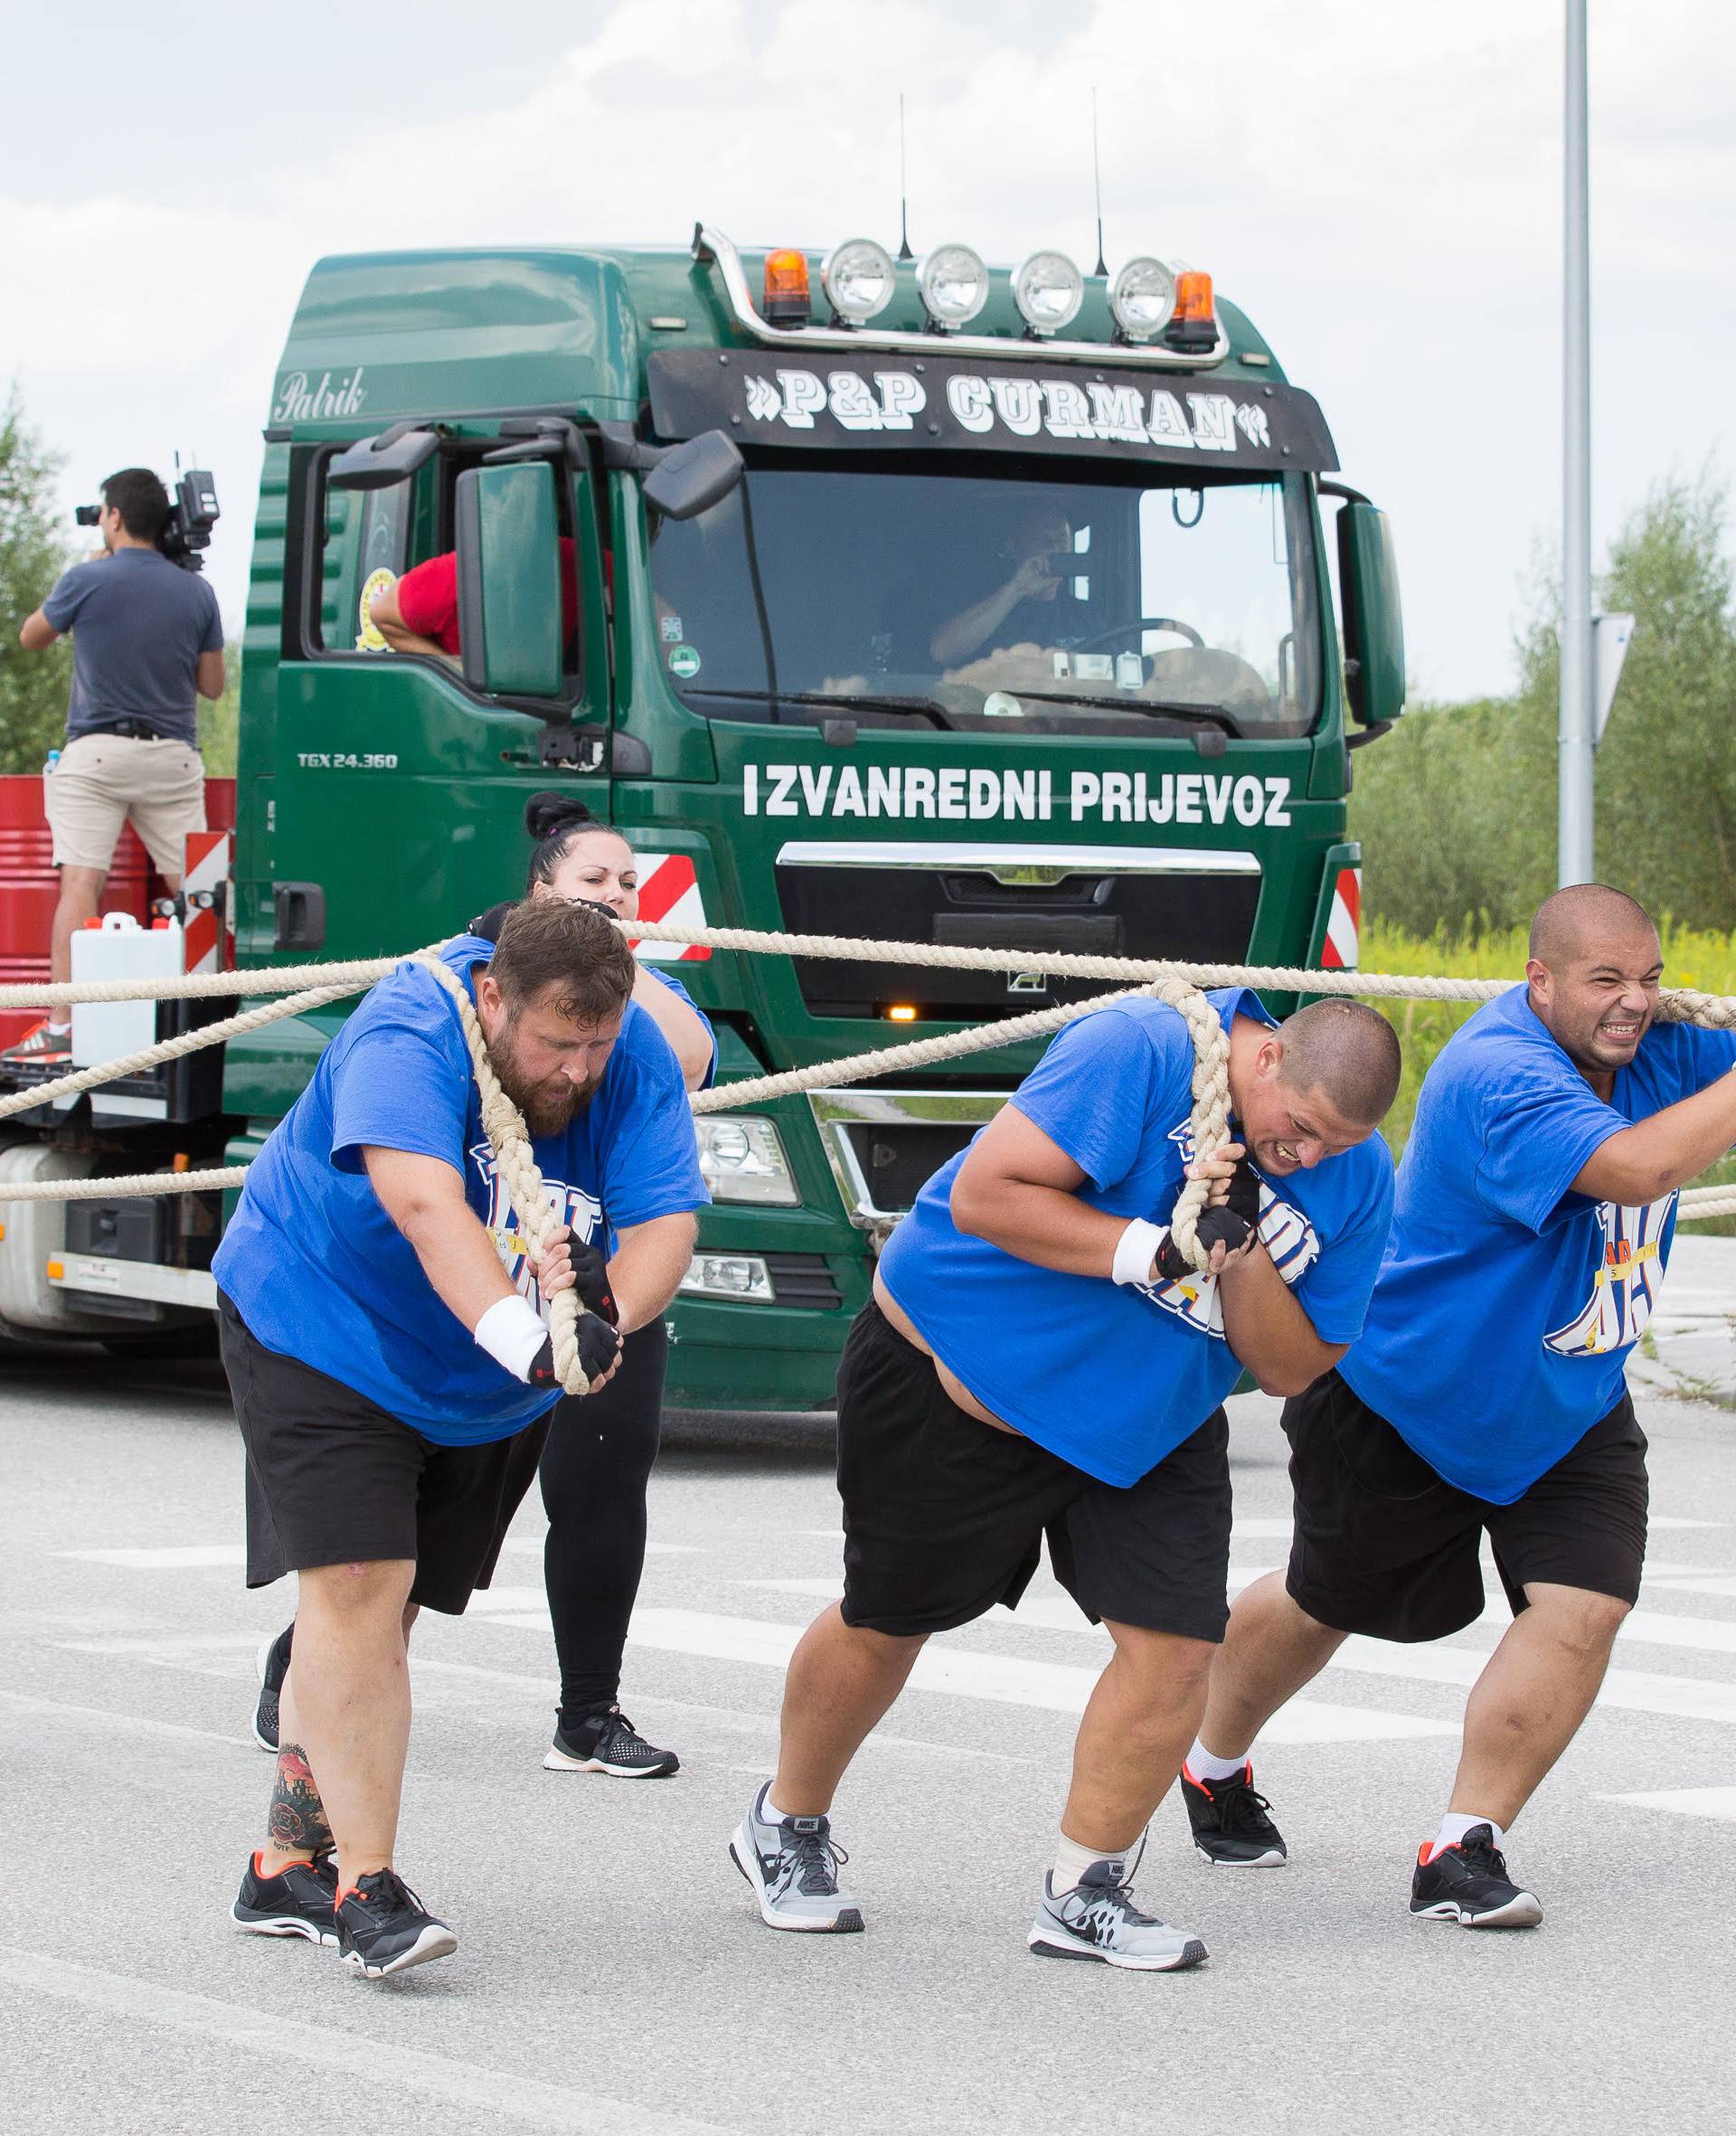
(995, 602)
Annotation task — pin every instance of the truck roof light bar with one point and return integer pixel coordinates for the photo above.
(711, 247)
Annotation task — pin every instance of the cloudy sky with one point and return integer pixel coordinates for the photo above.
(1376, 182)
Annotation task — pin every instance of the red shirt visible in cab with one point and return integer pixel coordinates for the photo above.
(427, 597)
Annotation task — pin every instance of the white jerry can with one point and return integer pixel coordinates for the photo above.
(117, 948)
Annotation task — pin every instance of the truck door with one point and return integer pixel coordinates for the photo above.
(391, 789)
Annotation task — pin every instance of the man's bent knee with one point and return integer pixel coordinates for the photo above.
(1165, 1659)
(380, 1588)
(1576, 1618)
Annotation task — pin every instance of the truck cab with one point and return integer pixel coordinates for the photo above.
(923, 601)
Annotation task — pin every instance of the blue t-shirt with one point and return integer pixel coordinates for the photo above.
(1112, 1377)
(138, 624)
(320, 1273)
(1507, 1306)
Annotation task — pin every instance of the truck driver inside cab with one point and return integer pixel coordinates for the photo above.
(1019, 609)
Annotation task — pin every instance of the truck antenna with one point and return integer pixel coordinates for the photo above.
(904, 251)
(1097, 182)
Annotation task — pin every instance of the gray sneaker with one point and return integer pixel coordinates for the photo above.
(793, 1867)
(1100, 1921)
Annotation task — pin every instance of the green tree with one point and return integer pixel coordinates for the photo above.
(1457, 809)
(33, 554)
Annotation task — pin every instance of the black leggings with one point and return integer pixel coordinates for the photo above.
(594, 1471)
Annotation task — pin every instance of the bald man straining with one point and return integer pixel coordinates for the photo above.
(1536, 1205)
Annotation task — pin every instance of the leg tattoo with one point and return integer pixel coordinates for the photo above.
(297, 1820)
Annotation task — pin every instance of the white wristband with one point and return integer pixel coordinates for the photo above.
(1134, 1249)
(512, 1332)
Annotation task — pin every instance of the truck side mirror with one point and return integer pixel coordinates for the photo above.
(1368, 586)
(510, 625)
(689, 479)
(378, 463)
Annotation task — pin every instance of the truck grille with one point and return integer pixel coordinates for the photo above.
(1196, 912)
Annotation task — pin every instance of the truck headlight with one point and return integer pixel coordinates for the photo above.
(1048, 290)
(728, 1275)
(743, 1161)
(954, 285)
(1142, 298)
(859, 277)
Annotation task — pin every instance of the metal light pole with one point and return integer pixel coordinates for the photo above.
(1578, 720)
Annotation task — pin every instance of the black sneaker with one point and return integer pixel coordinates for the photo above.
(609, 1743)
(297, 1902)
(273, 1663)
(382, 1927)
(1231, 1827)
(1468, 1883)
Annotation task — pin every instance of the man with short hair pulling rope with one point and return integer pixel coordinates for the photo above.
(1536, 1210)
(383, 1328)
(1037, 1358)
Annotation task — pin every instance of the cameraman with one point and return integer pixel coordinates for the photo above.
(146, 635)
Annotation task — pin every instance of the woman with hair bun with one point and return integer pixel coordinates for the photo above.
(600, 1447)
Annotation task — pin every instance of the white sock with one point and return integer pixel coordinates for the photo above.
(1205, 1765)
(59, 1030)
(1454, 1827)
(1072, 1860)
(769, 1813)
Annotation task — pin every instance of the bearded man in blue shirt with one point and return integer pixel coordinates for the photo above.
(1536, 1207)
(1037, 1359)
(384, 1327)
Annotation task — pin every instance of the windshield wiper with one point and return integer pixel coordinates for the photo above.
(840, 701)
(1201, 716)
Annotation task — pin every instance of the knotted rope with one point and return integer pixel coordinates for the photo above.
(510, 1140)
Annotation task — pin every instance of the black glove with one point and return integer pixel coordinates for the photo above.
(598, 1347)
(1216, 1225)
(1243, 1198)
(591, 1276)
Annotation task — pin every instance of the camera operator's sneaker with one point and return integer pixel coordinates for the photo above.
(273, 1664)
(1100, 1920)
(298, 1901)
(42, 1047)
(382, 1927)
(609, 1743)
(1231, 1827)
(1468, 1883)
(793, 1867)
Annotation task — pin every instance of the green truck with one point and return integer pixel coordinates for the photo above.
(914, 600)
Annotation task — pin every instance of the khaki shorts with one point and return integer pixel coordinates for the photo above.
(101, 780)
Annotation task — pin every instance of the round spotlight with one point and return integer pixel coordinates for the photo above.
(954, 284)
(1143, 297)
(1048, 290)
(859, 277)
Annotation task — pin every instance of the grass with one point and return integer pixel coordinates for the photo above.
(1691, 958)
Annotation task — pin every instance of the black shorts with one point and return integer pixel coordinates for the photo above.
(332, 1479)
(944, 1516)
(1385, 1546)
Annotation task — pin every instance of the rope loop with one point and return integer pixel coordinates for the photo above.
(510, 1140)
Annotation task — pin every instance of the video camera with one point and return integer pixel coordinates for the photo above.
(192, 513)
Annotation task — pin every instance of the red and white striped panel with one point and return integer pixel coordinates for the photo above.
(210, 857)
(669, 891)
(1344, 921)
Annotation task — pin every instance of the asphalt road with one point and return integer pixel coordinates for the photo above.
(613, 1974)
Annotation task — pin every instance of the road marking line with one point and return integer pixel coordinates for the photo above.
(469, 2084)
(1002, 1679)
(132, 1724)
(1685, 1801)
(1695, 1583)
(1632, 1690)
(176, 1559)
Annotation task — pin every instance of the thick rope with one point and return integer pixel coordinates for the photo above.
(1676, 1005)
(510, 1140)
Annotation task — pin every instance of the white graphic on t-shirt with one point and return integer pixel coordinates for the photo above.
(1625, 1285)
(581, 1212)
(1284, 1231)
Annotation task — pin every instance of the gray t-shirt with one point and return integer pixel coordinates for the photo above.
(138, 624)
